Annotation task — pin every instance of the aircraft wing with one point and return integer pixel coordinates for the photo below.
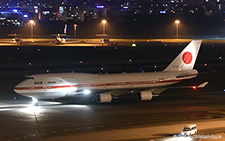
(155, 91)
(193, 86)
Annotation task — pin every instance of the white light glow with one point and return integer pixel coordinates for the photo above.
(177, 21)
(34, 100)
(32, 22)
(133, 45)
(86, 92)
(179, 139)
(32, 110)
(104, 21)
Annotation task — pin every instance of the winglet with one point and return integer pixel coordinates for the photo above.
(202, 85)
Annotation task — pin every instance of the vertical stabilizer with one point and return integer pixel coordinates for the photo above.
(186, 59)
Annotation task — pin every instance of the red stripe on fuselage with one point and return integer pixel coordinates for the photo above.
(98, 84)
(45, 87)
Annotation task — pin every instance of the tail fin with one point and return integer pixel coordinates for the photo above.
(186, 59)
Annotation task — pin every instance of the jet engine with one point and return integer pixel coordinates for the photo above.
(145, 95)
(104, 98)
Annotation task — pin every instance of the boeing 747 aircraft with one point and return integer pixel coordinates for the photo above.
(107, 86)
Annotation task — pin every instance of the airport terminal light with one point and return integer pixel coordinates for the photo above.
(103, 25)
(31, 28)
(177, 22)
(75, 30)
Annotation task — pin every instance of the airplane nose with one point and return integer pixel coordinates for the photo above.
(16, 88)
(23, 88)
(20, 88)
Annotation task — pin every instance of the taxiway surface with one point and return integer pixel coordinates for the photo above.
(82, 117)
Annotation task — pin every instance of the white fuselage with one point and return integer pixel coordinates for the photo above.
(64, 84)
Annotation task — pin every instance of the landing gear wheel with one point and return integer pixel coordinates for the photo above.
(36, 104)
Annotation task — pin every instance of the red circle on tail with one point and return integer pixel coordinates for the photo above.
(187, 57)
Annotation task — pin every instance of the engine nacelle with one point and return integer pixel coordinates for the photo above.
(145, 95)
(104, 98)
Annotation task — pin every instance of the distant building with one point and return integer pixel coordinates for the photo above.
(214, 6)
(12, 17)
(54, 10)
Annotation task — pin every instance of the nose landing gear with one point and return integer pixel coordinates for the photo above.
(35, 101)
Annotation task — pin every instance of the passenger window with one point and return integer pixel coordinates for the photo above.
(51, 82)
(29, 77)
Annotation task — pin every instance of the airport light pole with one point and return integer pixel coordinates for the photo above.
(177, 28)
(103, 26)
(31, 28)
(75, 30)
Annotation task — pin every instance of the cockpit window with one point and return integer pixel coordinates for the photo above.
(36, 83)
(29, 77)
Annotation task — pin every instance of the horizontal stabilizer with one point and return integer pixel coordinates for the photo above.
(202, 85)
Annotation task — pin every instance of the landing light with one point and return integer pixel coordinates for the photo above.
(34, 100)
(86, 92)
(32, 110)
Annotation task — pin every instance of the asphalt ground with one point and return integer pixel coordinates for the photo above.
(82, 116)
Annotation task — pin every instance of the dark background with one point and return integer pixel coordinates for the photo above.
(132, 26)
